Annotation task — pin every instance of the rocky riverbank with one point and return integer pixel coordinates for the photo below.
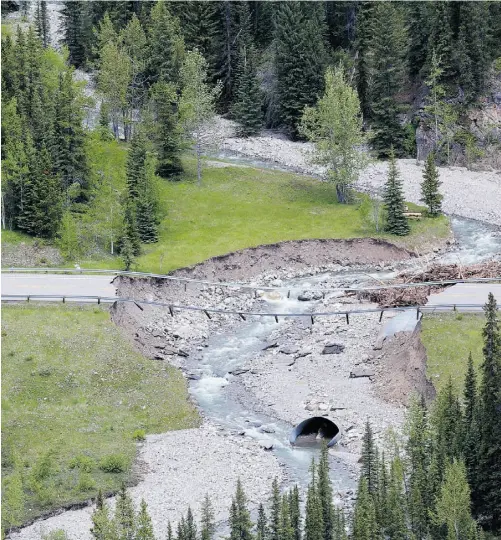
(469, 194)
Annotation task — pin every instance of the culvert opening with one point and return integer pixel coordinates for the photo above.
(313, 431)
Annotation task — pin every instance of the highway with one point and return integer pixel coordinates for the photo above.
(57, 284)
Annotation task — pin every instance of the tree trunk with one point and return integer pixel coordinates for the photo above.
(199, 163)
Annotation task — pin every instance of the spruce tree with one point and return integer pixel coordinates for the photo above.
(325, 491)
(166, 45)
(170, 535)
(430, 187)
(364, 515)
(130, 243)
(388, 70)
(262, 524)
(76, 30)
(369, 469)
(471, 430)
(168, 134)
(295, 512)
(103, 527)
(42, 24)
(339, 525)
(489, 465)
(240, 522)
(313, 521)
(418, 449)
(441, 40)
(396, 222)
(246, 109)
(286, 528)
(125, 517)
(190, 529)
(300, 58)
(207, 519)
(396, 526)
(144, 527)
(70, 160)
(42, 202)
(274, 529)
(363, 45)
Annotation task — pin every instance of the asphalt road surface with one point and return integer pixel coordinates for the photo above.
(466, 293)
(54, 284)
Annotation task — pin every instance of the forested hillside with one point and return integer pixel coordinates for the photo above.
(162, 71)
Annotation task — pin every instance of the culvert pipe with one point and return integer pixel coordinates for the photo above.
(317, 425)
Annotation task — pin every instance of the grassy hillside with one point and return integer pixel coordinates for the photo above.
(448, 339)
(235, 208)
(74, 393)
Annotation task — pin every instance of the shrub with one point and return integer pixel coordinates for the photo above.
(43, 467)
(58, 534)
(82, 463)
(139, 435)
(114, 463)
(85, 482)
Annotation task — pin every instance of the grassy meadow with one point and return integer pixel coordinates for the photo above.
(76, 398)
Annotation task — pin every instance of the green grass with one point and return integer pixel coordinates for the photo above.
(16, 237)
(448, 339)
(74, 393)
(235, 208)
(241, 207)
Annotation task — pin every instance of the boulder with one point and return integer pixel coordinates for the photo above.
(288, 350)
(333, 348)
(308, 296)
(239, 371)
(362, 372)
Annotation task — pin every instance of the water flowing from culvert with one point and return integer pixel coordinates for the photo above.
(229, 351)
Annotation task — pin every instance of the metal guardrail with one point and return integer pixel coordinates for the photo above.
(242, 314)
(237, 285)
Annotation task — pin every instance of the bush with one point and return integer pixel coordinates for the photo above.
(139, 435)
(82, 463)
(85, 482)
(44, 467)
(58, 534)
(114, 463)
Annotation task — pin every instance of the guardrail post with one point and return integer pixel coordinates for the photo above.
(98, 300)
(28, 298)
(417, 313)
(64, 300)
(347, 319)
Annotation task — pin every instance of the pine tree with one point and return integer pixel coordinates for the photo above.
(441, 40)
(471, 428)
(130, 243)
(295, 512)
(313, 522)
(364, 515)
(325, 491)
(363, 46)
(246, 109)
(300, 59)
(489, 466)
(388, 70)
(103, 527)
(369, 458)
(418, 462)
(166, 45)
(144, 527)
(396, 526)
(42, 24)
(396, 222)
(430, 187)
(286, 529)
(262, 527)
(190, 530)
(419, 33)
(125, 517)
(76, 30)
(167, 136)
(207, 521)
(339, 525)
(136, 166)
(170, 535)
(240, 523)
(70, 160)
(42, 203)
(274, 529)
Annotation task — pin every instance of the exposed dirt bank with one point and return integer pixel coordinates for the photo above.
(402, 368)
(298, 256)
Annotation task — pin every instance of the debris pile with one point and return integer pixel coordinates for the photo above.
(416, 296)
